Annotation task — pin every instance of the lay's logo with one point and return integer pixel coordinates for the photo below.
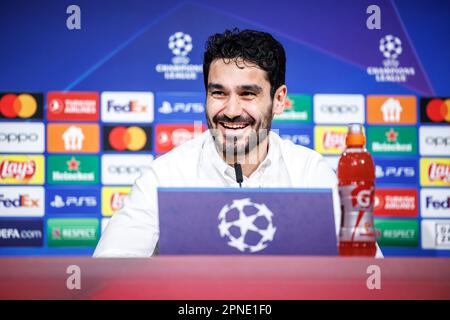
(113, 198)
(435, 171)
(20, 169)
(330, 140)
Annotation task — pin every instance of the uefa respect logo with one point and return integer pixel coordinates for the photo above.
(391, 48)
(180, 44)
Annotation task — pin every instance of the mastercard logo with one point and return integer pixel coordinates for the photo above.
(22, 106)
(133, 138)
(438, 110)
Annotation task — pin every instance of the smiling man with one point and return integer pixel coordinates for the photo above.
(244, 77)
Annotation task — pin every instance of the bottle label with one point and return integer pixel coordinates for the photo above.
(357, 212)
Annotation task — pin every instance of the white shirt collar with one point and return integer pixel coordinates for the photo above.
(226, 170)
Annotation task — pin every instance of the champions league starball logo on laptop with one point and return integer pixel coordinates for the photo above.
(247, 226)
(180, 44)
(391, 48)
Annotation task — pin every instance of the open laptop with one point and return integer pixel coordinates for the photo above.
(229, 221)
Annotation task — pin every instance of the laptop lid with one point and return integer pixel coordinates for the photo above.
(246, 221)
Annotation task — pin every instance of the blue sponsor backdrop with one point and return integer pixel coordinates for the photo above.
(124, 46)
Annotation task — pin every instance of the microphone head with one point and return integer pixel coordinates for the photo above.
(238, 171)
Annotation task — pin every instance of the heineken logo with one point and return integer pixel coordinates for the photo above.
(389, 140)
(297, 109)
(80, 169)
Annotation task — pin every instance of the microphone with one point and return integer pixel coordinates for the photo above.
(238, 171)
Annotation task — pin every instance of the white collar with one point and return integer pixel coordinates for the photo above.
(212, 155)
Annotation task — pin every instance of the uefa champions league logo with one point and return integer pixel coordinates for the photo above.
(247, 226)
(180, 45)
(390, 46)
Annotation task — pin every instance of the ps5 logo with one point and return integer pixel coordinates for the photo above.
(392, 171)
(73, 201)
(301, 139)
(168, 108)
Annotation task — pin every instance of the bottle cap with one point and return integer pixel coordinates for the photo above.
(355, 135)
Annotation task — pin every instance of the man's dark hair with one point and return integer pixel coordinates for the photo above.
(252, 46)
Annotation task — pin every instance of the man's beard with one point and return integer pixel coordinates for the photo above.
(232, 146)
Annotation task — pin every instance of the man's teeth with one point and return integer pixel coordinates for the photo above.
(234, 125)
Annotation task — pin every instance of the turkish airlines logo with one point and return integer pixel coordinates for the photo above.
(338, 108)
(435, 110)
(391, 109)
(73, 106)
(122, 138)
(396, 202)
(169, 136)
(125, 107)
(21, 106)
(26, 137)
(78, 138)
(434, 141)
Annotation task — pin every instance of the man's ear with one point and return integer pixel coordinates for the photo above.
(279, 100)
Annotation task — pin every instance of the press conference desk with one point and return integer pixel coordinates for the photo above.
(225, 277)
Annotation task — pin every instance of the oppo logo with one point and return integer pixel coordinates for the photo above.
(339, 108)
(127, 169)
(438, 141)
(18, 137)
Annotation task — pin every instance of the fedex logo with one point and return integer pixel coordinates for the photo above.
(127, 107)
(435, 202)
(21, 201)
(404, 171)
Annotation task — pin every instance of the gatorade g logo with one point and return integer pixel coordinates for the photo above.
(362, 197)
(22, 106)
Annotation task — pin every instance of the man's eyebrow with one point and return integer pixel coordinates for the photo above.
(212, 86)
(251, 87)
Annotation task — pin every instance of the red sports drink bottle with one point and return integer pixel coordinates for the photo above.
(356, 174)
